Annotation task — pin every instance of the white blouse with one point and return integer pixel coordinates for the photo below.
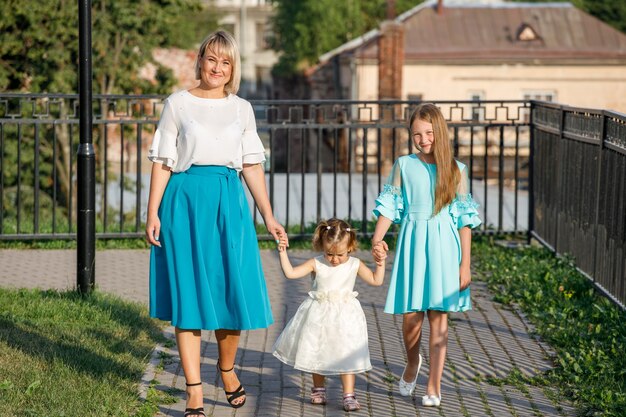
(206, 131)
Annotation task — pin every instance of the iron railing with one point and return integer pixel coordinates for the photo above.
(331, 158)
(579, 190)
(324, 158)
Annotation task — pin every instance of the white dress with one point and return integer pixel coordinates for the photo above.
(328, 333)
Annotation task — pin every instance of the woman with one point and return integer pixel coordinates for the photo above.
(205, 267)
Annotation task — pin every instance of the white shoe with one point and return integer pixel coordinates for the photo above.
(406, 388)
(431, 400)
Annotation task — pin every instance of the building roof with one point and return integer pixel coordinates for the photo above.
(493, 30)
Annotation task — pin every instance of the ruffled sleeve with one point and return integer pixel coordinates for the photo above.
(463, 209)
(390, 202)
(163, 149)
(253, 151)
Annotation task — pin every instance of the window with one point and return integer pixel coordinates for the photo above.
(478, 109)
(541, 95)
(263, 80)
(262, 36)
(526, 33)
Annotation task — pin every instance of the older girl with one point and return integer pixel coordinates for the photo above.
(428, 194)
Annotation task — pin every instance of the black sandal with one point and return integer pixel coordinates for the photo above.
(232, 395)
(194, 411)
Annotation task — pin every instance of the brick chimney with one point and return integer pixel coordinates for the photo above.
(440, 7)
(390, 66)
(390, 60)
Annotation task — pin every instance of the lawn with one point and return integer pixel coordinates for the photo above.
(62, 354)
(587, 331)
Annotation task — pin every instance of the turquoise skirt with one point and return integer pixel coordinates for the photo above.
(207, 274)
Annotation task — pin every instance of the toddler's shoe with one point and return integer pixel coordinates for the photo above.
(350, 403)
(406, 388)
(318, 395)
(431, 400)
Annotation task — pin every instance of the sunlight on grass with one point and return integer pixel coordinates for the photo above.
(62, 354)
(586, 330)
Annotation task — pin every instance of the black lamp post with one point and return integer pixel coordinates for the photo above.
(86, 226)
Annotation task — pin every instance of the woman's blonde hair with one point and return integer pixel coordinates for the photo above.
(448, 175)
(331, 232)
(222, 43)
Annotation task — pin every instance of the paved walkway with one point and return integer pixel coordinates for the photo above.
(489, 341)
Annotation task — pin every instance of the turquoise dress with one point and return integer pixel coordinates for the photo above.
(425, 272)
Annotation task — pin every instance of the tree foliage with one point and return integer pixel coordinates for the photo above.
(305, 29)
(39, 53)
(39, 48)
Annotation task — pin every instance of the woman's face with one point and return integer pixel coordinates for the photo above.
(423, 136)
(215, 70)
(336, 254)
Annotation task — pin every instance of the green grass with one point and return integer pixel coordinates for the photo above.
(129, 243)
(299, 239)
(587, 331)
(63, 354)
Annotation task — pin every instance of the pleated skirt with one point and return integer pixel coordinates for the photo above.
(207, 274)
(425, 274)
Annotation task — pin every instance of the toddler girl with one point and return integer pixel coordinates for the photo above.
(328, 333)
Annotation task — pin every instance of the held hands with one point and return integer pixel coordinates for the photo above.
(379, 251)
(153, 228)
(283, 242)
(465, 277)
(277, 231)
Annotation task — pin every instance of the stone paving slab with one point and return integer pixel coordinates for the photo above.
(487, 342)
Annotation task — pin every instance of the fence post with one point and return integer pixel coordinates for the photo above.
(559, 176)
(86, 198)
(531, 173)
(598, 185)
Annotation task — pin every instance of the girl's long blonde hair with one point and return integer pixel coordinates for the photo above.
(448, 175)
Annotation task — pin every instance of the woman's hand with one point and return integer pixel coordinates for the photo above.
(153, 228)
(465, 277)
(276, 230)
(282, 243)
(379, 251)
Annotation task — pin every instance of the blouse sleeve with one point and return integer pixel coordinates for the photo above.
(390, 202)
(253, 151)
(163, 149)
(463, 209)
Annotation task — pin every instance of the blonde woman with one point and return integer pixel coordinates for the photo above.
(205, 267)
(428, 194)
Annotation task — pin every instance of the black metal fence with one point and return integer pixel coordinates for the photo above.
(324, 158)
(331, 158)
(579, 190)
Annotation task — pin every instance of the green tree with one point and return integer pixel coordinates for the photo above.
(305, 29)
(39, 53)
(39, 48)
